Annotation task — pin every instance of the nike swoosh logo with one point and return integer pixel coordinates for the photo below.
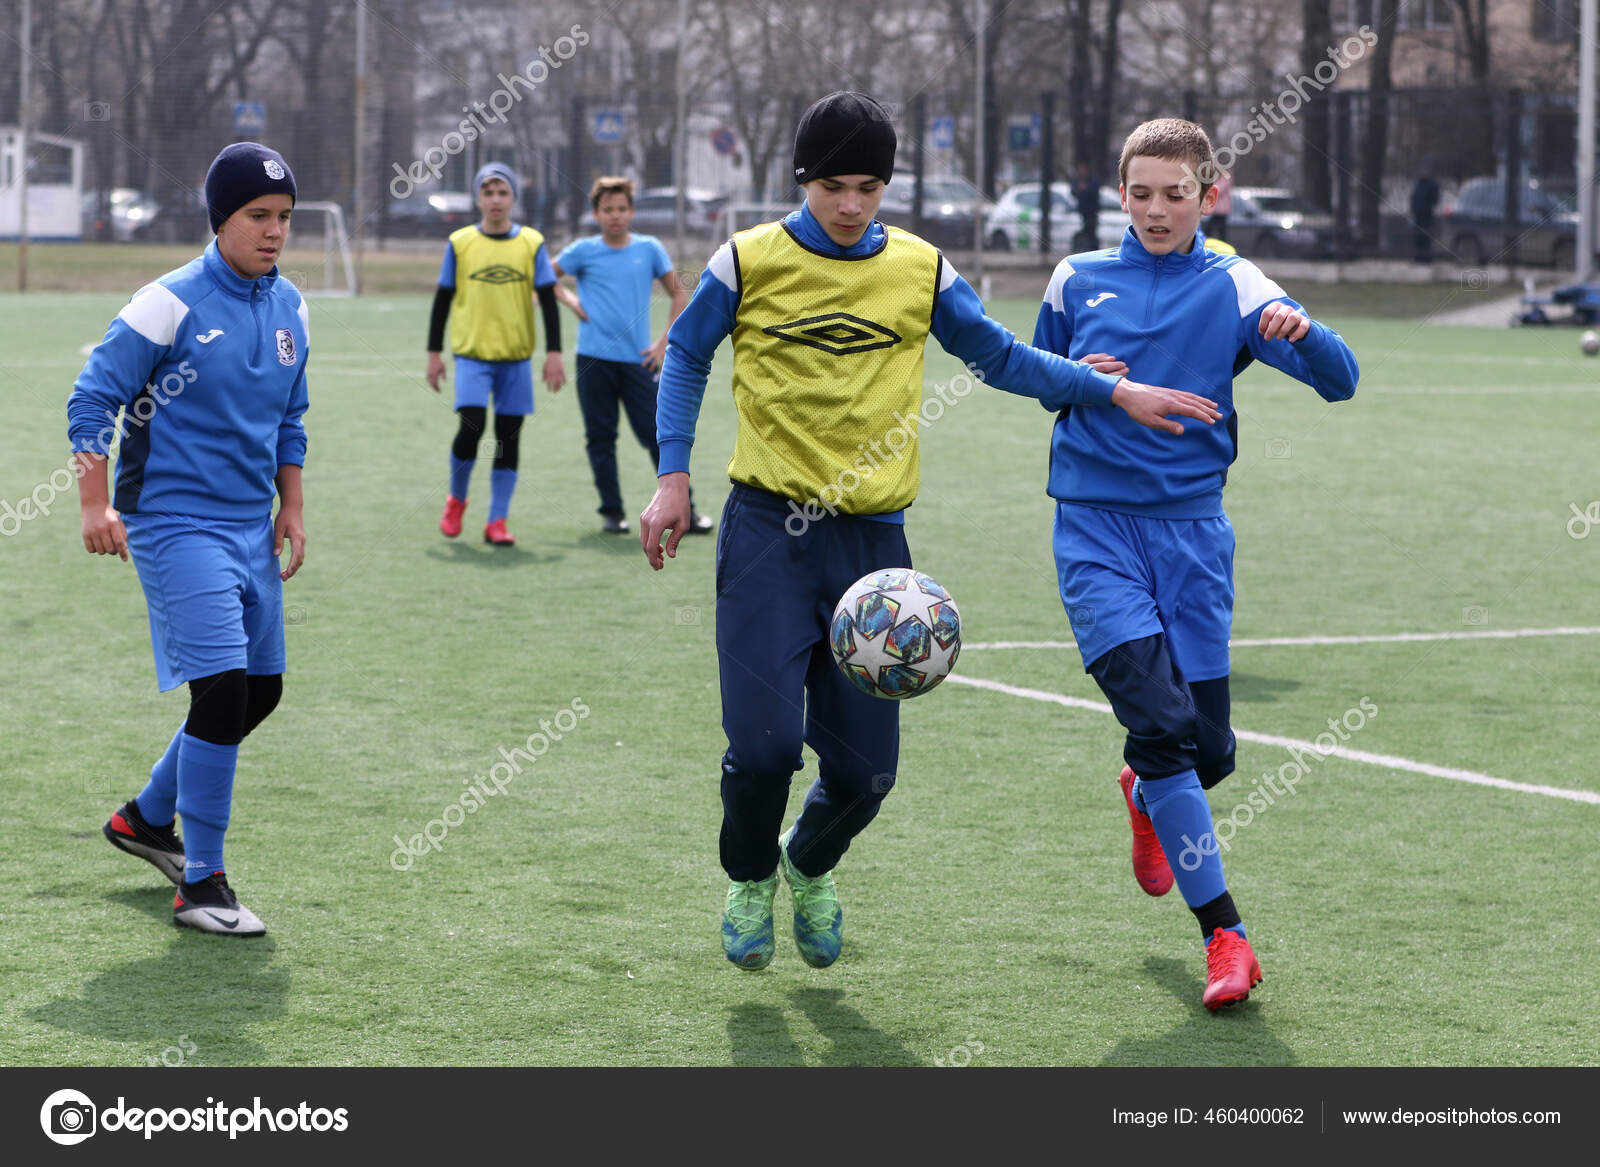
(1100, 299)
(224, 923)
(209, 337)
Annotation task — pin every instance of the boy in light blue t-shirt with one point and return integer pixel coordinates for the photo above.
(618, 364)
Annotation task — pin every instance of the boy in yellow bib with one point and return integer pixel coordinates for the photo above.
(488, 279)
(829, 311)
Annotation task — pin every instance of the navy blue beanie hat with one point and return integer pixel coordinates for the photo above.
(242, 173)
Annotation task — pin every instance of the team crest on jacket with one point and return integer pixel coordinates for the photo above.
(838, 333)
(285, 347)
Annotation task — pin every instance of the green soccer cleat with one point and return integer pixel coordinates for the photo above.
(818, 918)
(747, 922)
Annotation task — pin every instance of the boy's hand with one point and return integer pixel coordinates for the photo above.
(1105, 363)
(654, 355)
(103, 532)
(291, 526)
(436, 371)
(1150, 405)
(668, 511)
(555, 373)
(1281, 322)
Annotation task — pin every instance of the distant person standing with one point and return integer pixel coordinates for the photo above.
(1217, 227)
(1086, 196)
(618, 364)
(1424, 201)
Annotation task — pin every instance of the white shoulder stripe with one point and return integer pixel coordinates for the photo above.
(1055, 291)
(723, 268)
(155, 313)
(305, 320)
(1253, 287)
(947, 273)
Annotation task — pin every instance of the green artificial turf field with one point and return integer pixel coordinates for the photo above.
(1401, 917)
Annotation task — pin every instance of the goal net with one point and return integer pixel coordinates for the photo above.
(318, 258)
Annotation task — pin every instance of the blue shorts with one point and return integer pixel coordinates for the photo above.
(215, 598)
(510, 383)
(1125, 577)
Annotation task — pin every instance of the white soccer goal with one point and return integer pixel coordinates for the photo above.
(318, 258)
(742, 216)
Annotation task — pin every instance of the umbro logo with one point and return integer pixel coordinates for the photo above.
(1100, 299)
(208, 337)
(838, 333)
(499, 274)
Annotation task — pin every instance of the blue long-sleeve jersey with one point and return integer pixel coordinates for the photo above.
(958, 323)
(208, 372)
(1186, 321)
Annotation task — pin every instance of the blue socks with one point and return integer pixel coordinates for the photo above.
(159, 799)
(501, 485)
(1181, 815)
(460, 475)
(205, 800)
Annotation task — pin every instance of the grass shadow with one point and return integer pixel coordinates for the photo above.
(758, 1035)
(855, 1041)
(1248, 689)
(481, 555)
(1239, 1035)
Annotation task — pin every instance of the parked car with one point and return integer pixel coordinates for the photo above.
(1475, 230)
(434, 215)
(1014, 222)
(1269, 221)
(949, 218)
(655, 211)
(130, 213)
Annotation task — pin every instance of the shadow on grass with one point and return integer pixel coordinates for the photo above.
(1236, 1036)
(1246, 689)
(207, 989)
(477, 553)
(759, 1034)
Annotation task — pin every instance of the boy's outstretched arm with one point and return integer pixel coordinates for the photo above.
(1000, 359)
(691, 343)
(1281, 333)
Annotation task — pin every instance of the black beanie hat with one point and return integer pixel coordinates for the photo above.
(844, 133)
(242, 173)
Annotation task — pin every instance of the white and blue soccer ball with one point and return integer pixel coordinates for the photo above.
(895, 633)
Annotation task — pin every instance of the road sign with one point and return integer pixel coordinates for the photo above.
(723, 140)
(1023, 132)
(942, 134)
(607, 126)
(249, 118)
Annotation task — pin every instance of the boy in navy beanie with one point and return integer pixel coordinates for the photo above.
(206, 367)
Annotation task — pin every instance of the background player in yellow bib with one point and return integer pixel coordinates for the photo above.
(488, 278)
(829, 311)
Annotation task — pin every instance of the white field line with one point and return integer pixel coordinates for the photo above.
(1296, 641)
(1387, 761)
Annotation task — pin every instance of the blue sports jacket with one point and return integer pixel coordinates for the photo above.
(208, 370)
(1186, 321)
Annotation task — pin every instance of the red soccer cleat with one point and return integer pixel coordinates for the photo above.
(1231, 969)
(450, 521)
(497, 534)
(1150, 866)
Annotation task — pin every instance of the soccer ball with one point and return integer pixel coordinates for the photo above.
(1589, 342)
(895, 633)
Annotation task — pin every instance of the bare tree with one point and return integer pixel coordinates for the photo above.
(1375, 142)
(1316, 173)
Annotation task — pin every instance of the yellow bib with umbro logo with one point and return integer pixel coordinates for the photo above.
(827, 368)
(491, 314)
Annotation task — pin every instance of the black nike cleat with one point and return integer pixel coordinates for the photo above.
(211, 906)
(127, 831)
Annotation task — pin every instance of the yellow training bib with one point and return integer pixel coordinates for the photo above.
(491, 316)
